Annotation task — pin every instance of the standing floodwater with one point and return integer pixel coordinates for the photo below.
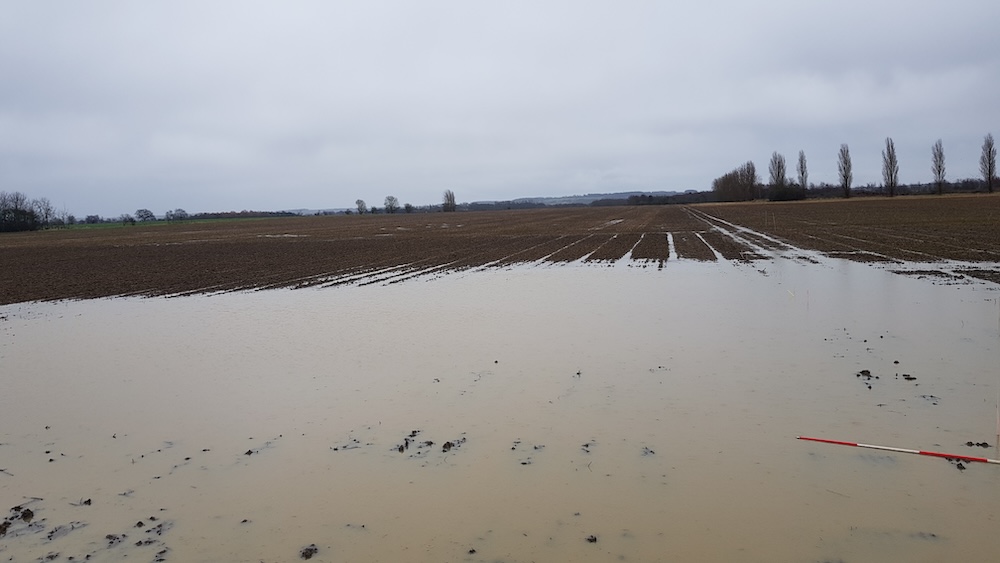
(552, 413)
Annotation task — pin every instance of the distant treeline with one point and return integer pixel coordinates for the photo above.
(815, 191)
(684, 198)
(18, 213)
(967, 185)
(502, 205)
(241, 214)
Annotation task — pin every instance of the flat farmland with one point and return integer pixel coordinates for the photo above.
(231, 255)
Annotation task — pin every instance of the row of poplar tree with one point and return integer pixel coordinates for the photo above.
(743, 183)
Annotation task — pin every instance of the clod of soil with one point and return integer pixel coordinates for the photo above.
(308, 551)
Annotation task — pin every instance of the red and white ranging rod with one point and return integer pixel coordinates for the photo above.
(903, 450)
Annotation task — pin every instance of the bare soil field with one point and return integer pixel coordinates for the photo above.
(912, 229)
(197, 257)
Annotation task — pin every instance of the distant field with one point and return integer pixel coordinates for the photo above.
(304, 251)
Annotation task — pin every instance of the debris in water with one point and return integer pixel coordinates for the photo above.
(308, 551)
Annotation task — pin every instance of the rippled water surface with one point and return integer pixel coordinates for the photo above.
(575, 413)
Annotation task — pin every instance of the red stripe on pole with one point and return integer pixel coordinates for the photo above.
(825, 441)
(953, 456)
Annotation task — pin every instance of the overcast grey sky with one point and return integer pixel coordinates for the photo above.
(106, 107)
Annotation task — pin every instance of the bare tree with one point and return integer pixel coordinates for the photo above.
(739, 184)
(937, 165)
(19, 201)
(777, 170)
(17, 213)
(750, 179)
(844, 170)
(449, 201)
(391, 204)
(803, 171)
(43, 211)
(988, 161)
(62, 218)
(362, 206)
(890, 167)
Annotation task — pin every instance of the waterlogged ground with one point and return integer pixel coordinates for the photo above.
(547, 413)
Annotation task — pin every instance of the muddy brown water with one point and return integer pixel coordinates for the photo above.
(652, 410)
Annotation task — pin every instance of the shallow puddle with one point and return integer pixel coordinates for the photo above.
(573, 413)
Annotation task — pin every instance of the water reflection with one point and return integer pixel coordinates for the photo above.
(653, 412)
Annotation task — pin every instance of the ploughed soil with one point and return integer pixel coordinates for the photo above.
(228, 255)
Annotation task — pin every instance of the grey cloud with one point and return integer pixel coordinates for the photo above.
(229, 105)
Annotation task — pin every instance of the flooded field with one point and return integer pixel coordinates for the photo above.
(536, 412)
